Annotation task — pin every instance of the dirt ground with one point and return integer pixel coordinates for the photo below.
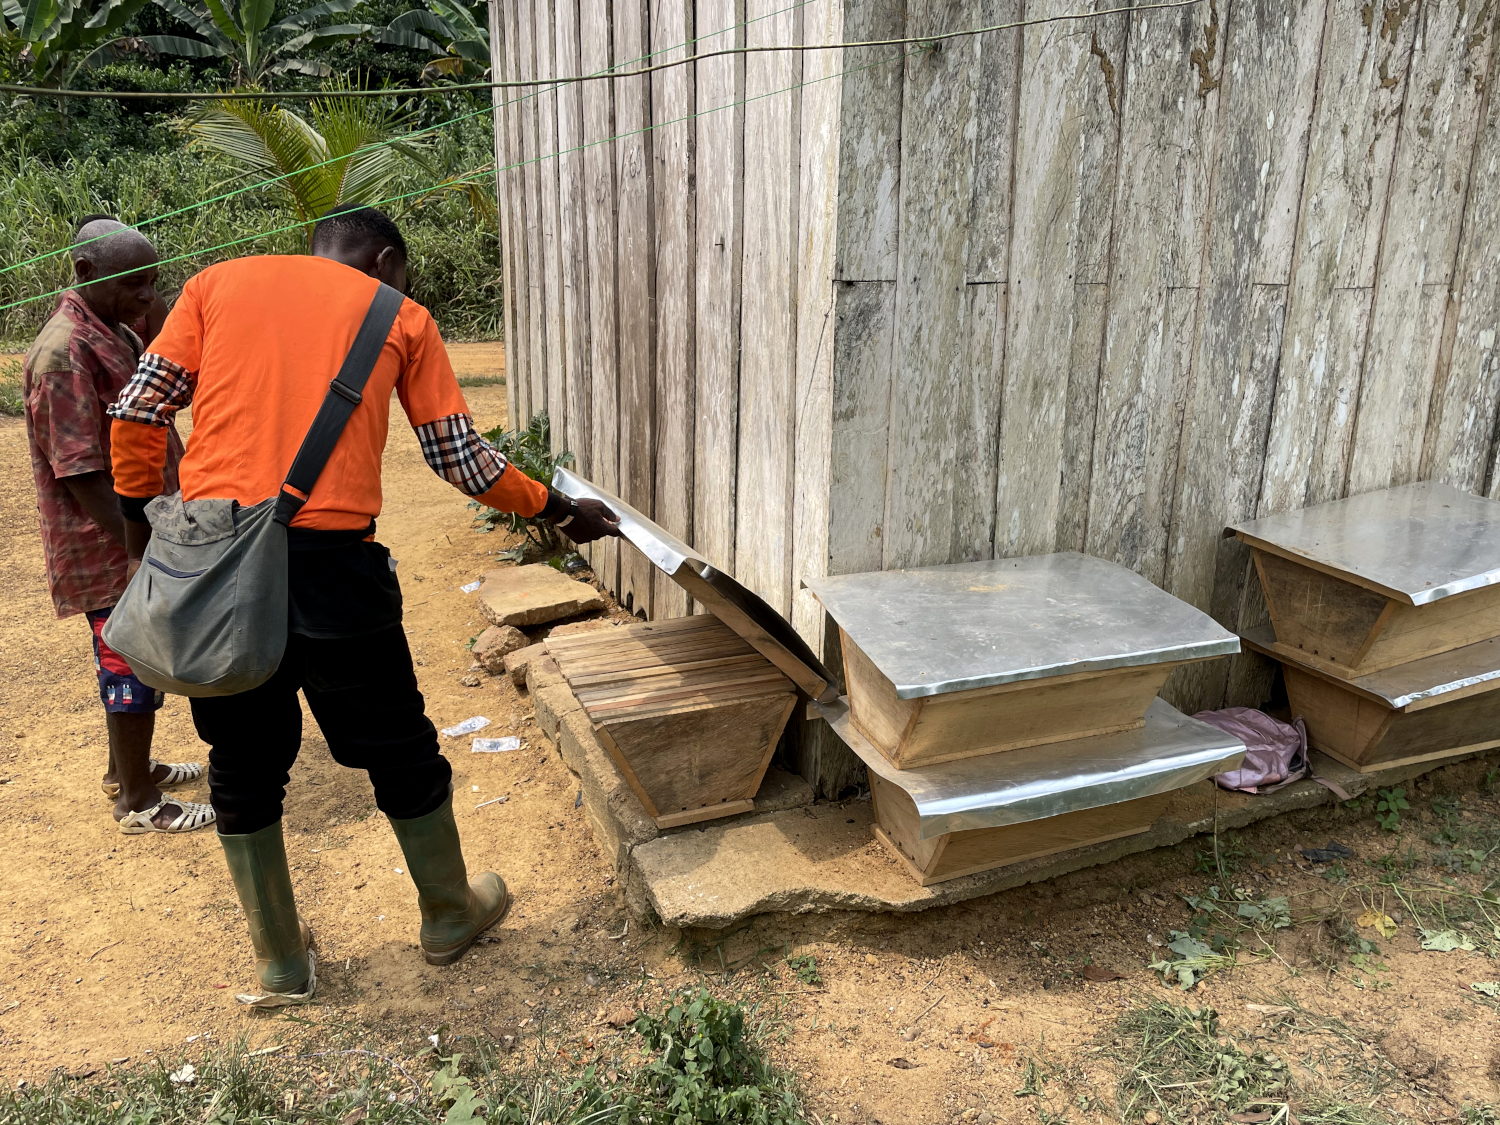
(121, 947)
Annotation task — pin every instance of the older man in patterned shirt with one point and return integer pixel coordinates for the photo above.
(74, 371)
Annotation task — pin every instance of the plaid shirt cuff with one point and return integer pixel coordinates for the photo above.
(159, 389)
(459, 455)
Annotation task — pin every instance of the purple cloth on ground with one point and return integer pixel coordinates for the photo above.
(1275, 753)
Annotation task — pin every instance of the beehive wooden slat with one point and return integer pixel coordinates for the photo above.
(688, 710)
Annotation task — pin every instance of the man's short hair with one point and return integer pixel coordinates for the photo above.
(94, 218)
(354, 226)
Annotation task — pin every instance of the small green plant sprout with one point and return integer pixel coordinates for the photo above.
(1388, 809)
(529, 450)
(1491, 780)
(453, 1089)
(806, 968)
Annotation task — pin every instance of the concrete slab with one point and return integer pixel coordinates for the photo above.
(824, 858)
(534, 595)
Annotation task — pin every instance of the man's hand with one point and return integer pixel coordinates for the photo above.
(590, 520)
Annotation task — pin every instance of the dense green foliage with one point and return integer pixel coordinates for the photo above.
(60, 161)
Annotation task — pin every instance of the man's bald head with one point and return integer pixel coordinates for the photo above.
(116, 270)
(112, 247)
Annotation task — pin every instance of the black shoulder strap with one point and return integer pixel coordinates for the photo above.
(344, 394)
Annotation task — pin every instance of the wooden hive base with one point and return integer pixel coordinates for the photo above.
(1343, 628)
(966, 724)
(1368, 735)
(690, 713)
(953, 854)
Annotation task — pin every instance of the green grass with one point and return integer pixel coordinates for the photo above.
(699, 1060)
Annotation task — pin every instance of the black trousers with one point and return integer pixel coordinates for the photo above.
(363, 693)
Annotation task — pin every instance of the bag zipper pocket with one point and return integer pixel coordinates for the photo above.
(167, 570)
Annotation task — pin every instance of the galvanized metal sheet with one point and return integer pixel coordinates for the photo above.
(1018, 786)
(940, 629)
(744, 612)
(1416, 543)
(1428, 678)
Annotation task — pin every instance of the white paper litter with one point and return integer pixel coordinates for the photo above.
(468, 726)
(470, 587)
(496, 745)
(184, 1077)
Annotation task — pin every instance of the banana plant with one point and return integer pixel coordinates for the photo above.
(241, 32)
(444, 28)
(65, 37)
(347, 150)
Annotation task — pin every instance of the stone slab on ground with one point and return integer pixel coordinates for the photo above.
(534, 595)
(825, 858)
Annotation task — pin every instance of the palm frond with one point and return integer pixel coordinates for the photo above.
(323, 34)
(224, 20)
(36, 17)
(266, 141)
(255, 14)
(461, 20)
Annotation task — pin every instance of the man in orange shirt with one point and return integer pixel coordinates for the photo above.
(253, 345)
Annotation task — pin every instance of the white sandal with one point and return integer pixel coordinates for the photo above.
(282, 999)
(177, 773)
(194, 816)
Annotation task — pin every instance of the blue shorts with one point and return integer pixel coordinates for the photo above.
(119, 690)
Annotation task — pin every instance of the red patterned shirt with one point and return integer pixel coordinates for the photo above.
(73, 373)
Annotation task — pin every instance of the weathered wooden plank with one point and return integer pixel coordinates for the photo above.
(870, 143)
(572, 241)
(518, 293)
(997, 92)
(534, 398)
(976, 447)
(549, 178)
(1271, 60)
(1461, 427)
(719, 200)
(503, 204)
(1169, 112)
(1064, 178)
(817, 216)
(1345, 187)
(768, 301)
(637, 273)
(672, 151)
(603, 464)
(1419, 246)
(864, 340)
(930, 396)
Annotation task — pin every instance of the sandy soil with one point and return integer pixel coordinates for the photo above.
(118, 946)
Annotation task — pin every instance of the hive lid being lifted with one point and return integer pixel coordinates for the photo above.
(1020, 786)
(1426, 682)
(939, 629)
(1416, 543)
(761, 626)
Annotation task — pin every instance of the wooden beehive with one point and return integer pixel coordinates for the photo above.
(965, 724)
(1438, 707)
(689, 711)
(950, 662)
(1348, 628)
(953, 854)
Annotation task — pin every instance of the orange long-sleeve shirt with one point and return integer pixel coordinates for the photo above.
(252, 345)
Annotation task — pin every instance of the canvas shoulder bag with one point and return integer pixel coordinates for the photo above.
(206, 613)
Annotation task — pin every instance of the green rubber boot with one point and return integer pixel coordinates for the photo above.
(455, 911)
(283, 962)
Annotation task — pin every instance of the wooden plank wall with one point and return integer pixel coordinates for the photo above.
(1101, 285)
